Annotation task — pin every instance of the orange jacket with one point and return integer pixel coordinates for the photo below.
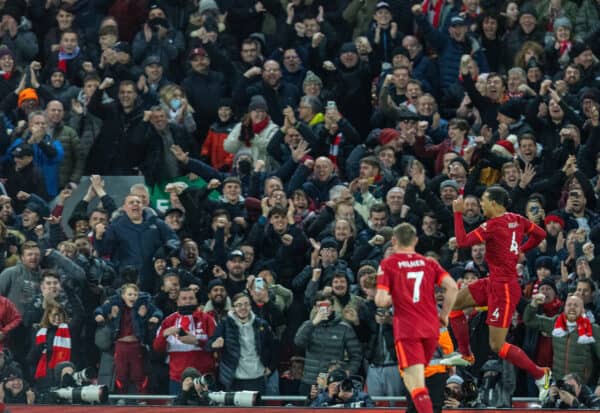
(446, 346)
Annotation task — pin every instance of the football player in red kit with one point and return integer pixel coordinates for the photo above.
(503, 234)
(407, 281)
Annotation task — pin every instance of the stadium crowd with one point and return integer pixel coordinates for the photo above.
(288, 138)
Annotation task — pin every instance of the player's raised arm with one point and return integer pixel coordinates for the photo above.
(535, 233)
(450, 293)
(462, 238)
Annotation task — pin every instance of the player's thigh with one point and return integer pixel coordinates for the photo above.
(502, 303)
(414, 377)
(466, 298)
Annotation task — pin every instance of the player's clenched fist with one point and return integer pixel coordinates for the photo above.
(458, 205)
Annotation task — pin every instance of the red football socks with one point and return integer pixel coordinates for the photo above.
(460, 329)
(517, 357)
(421, 400)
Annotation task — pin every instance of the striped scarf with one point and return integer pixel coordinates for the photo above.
(61, 349)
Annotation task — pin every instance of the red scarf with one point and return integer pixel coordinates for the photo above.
(7, 75)
(61, 349)
(584, 329)
(437, 11)
(565, 46)
(334, 149)
(552, 308)
(260, 126)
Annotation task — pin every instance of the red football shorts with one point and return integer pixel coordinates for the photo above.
(415, 351)
(501, 299)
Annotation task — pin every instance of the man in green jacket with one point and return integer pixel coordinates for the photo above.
(574, 338)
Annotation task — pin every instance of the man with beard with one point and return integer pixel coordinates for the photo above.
(166, 299)
(472, 217)
(218, 304)
(235, 278)
(183, 335)
(575, 213)
(192, 262)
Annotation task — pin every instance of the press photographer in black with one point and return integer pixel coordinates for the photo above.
(571, 393)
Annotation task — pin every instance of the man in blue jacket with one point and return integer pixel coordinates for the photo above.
(450, 45)
(133, 238)
(47, 153)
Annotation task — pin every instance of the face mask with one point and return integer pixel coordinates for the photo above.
(244, 166)
(175, 103)
(186, 309)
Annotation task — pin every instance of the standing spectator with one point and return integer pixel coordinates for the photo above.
(133, 238)
(9, 320)
(324, 338)
(183, 335)
(247, 346)
(71, 167)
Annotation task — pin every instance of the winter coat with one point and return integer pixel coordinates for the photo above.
(167, 49)
(139, 321)
(130, 244)
(316, 190)
(569, 356)
(587, 19)
(450, 51)
(10, 317)
(333, 339)
(47, 156)
(29, 179)
(115, 150)
(258, 143)
(197, 87)
(71, 167)
(212, 148)
(285, 94)
(19, 285)
(266, 346)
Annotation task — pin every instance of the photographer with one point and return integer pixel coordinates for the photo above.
(459, 393)
(193, 392)
(341, 392)
(571, 393)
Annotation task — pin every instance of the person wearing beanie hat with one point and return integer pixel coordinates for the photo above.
(212, 147)
(504, 148)
(256, 129)
(348, 47)
(329, 242)
(449, 183)
(29, 97)
(207, 5)
(511, 109)
(312, 84)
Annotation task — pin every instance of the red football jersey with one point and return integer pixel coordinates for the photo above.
(410, 279)
(503, 237)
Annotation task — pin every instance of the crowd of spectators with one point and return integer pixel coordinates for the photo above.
(289, 138)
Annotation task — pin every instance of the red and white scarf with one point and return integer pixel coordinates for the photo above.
(61, 349)
(334, 148)
(584, 329)
(436, 11)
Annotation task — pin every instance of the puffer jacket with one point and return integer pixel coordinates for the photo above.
(71, 167)
(450, 51)
(139, 322)
(130, 244)
(333, 339)
(19, 285)
(569, 356)
(266, 346)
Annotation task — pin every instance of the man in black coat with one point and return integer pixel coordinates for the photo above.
(118, 149)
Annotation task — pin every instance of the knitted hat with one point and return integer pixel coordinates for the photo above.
(4, 50)
(198, 51)
(312, 77)
(151, 60)
(504, 147)
(41, 209)
(348, 47)
(554, 218)
(329, 242)
(258, 102)
(548, 281)
(190, 372)
(577, 48)
(511, 108)
(388, 135)
(216, 282)
(225, 102)
(562, 22)
(449, 182)
(206, 5)
(14, 9)
(544, 261)
(528, 9)
(27, 94)
(455, 379)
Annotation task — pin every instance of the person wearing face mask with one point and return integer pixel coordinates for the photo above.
(183, 335)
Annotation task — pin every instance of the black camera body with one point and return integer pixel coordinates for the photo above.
(562, 385)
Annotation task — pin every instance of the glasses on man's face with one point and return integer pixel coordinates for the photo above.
(242, 305)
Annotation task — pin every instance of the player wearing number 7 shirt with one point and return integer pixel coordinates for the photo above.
(407, 281)
(503, 234)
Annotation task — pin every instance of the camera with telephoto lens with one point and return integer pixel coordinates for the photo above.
(75, 389)
(206, 380)
(562, 385)
(234, 398)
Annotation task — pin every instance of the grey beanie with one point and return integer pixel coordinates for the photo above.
(206, 5)
(562, 22)
(258, 103)
(312, 77)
